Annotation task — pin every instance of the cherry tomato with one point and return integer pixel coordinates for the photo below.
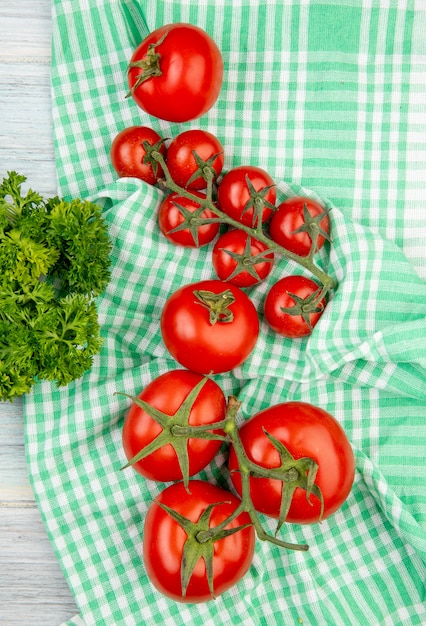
(129, 157)
(209, 326)
(176, 73)
(296, 222)
(165, 540)
(185, 167)
(167, 393)
(291, 306)
(247, 193)
(177, 219)
(240, 259)
(306, 431)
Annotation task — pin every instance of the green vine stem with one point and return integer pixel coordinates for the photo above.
(327, 282)
(246, 468)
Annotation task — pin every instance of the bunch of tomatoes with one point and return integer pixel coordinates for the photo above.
(292, 461)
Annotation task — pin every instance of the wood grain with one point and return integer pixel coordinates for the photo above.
(33, 590)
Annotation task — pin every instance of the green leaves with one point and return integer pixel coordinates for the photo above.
(54, 258)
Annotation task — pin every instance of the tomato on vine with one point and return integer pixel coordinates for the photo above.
(191, 154)
(210, 326)
(293, 306)
(184, 222)
(247, 194)
(183, 561)
(309, 451)
(301, 225)
(165, 433)
(241, 259)
(130, 153)
(176, 73)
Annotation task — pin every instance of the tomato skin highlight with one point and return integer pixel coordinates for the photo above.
(278, 297)
(289, 216)
(181, 162)
(233, 193)
(166, 393)
(196, 343)
(306, 431)
(127, 153)
(170, 217)
(163, 541)
(191, 77)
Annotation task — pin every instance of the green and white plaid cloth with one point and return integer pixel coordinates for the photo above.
(329, 97)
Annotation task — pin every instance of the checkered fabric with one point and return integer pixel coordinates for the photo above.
(329, 97)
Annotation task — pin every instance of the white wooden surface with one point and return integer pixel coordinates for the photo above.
(33, 591)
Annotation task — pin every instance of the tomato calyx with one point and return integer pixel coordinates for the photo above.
(305, 306)
(204, 169)
(312, 226)
(257, 201)
(150, 65)
(192, 220)
(176, 430)
(200, 540)
(148, 156)
(246, 262)
(293, 473)
(217, 304)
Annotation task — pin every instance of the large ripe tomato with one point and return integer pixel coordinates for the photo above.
(291, 306)
(167, 394)
(165, 541)
(177, 219)
(209, 326)
(176, 73)
(130, 158)
(247, 193)
(185, 167)
(306, 431)
(296, 222)
(240, 259)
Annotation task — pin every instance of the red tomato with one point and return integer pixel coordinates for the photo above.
(177, 220)
(294, 220)
(167, 394)
(185, 167)
(176, 73)
(240, 259)
(164, 542)
(306, 431)
(129, 158)
(246, 193)
(209, 326)
(291, 307)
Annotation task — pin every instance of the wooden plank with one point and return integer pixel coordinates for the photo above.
(15, 487)
(33, 591)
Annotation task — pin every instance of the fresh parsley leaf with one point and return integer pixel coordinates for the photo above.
(54, 261)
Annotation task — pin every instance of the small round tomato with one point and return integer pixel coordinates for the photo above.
(292, 308)
(190, 153)
(240, 259)
(171, 548)
(167, 393)
(247, 193)
(176, 73)
(298, 224)
(130, 158)
(209, 326)
(307, 432)
(179, 221)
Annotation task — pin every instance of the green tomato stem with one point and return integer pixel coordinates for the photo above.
(246, 468)
(307, 262)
